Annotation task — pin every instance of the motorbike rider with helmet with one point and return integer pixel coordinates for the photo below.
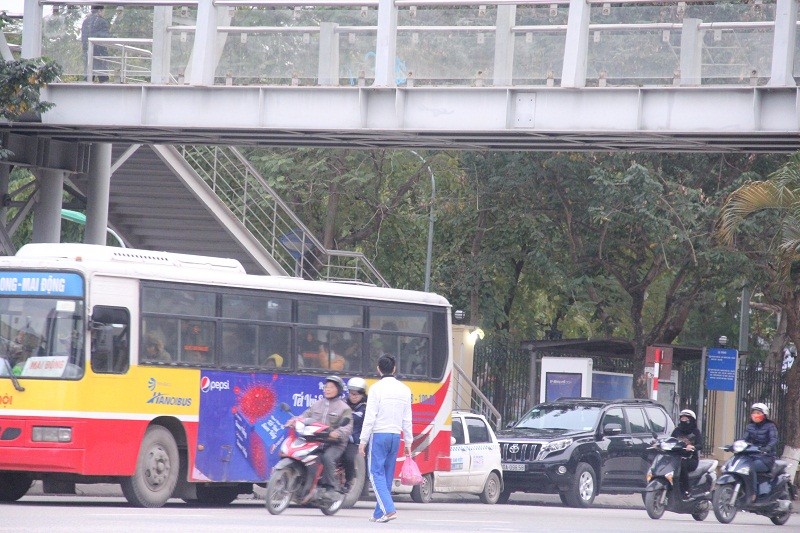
(357, 401)
(330, 410)
(688, 432)
(761, 432)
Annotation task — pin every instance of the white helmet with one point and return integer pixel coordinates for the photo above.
(760, 407)
(689, 413)
(357, 384)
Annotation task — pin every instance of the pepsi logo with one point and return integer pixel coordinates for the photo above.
(207, 385)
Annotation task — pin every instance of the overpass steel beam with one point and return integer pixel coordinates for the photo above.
(43, 152)
(576, 46)
(783, 43)
(171, 113)
(386, 44)
(31, 29)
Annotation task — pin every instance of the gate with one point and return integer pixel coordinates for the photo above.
(502, 372)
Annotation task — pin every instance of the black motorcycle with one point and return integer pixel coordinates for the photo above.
(664, 493)
(771, 497)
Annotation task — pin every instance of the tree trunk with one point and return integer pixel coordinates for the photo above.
(328, 231)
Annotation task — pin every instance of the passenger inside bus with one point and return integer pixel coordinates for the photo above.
(239, 345)
(196, 341)
(274, 361)
(27, 345)
(329, 359)
(154, 348)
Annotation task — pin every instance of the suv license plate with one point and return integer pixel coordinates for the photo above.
(514, 467)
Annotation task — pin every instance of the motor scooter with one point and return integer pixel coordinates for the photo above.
(664, 493)
(295, 477)
(771, 497)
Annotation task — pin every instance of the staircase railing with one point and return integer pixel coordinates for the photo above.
(467, 395)
(256, 205)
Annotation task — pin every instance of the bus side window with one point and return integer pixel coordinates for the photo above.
(110, 346)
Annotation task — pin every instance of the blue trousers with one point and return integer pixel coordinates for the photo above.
(382, 459)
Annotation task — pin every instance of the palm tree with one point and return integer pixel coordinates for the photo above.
(781, 193)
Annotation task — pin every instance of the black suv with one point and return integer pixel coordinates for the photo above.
(579, 447)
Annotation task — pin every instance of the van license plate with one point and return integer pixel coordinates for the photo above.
(511, 467)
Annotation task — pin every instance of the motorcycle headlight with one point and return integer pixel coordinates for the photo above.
(739, 446)
(555, 446)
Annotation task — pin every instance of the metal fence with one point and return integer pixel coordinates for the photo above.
(760, 383)
(501, 370)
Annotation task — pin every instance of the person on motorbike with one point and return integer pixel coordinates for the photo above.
(330, 410)
(688, 432)
(357, 401)
(761, 432)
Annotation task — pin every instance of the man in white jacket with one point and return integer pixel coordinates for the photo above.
(388, 414)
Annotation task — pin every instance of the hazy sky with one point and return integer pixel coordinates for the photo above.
(12, 6)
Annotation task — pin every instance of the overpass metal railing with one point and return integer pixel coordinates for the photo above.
(256, 205)
(451, 42)
(467, 395)
(120, 60)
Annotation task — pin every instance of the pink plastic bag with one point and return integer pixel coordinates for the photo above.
(410, 474)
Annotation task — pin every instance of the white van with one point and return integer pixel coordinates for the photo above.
(474, 463)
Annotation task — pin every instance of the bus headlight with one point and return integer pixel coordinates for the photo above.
(51, 434)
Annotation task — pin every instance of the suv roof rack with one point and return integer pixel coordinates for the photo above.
(595, 400)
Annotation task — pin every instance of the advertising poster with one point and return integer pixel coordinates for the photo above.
(241, 422)
(611, 386)
(563, 385)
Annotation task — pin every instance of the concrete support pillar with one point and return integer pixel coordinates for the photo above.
(203, 61)
(691, 53)
(328, 66)
(576, 48)
(31, 29)
(504, 45)
(783, 44)
(47, 212)
(386, 44)
(162, 44)
(463, 356)
(98, 194)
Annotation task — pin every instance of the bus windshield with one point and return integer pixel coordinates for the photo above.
(41, 337)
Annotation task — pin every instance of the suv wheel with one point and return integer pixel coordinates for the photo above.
(582, 489)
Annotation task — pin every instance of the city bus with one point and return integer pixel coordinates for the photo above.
(166, 373)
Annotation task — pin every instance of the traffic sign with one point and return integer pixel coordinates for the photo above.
(721, 369)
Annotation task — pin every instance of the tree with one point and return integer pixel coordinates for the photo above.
(20, 83)
(751, 213)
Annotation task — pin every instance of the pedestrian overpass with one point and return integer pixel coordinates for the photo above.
(192, 78)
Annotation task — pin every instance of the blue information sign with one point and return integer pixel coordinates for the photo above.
(721, 369)
(63, 284)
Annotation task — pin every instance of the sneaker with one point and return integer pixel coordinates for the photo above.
(373, 519)
(387, 517)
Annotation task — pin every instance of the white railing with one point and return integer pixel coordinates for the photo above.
(119, 59)
(461, 42)
(253, 202)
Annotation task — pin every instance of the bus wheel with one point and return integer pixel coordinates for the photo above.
(357, 484)
(156, 475)
(14, 485)
(214, 496)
